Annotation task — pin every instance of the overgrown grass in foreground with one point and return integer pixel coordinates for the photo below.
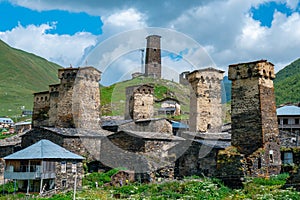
(198, 188)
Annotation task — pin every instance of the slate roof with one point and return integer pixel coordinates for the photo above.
(217, 144)
(288, 111)
(44, 149)
(154, 135)
(78, 132)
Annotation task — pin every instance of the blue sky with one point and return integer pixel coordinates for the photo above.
(66, 32)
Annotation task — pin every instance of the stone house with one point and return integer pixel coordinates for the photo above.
(200, 156)
(145, 153)
(44, 166)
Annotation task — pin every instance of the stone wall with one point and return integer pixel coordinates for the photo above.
(205, 103)
(86, 99)
(69, 176)
(154, 125)
(199, 160)
(183, 78)
(153, 57)
(54, 100)
(88, 147)
(41, 106)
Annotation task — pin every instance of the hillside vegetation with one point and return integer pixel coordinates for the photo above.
(22, 74)
(287, 84)
(113, 97)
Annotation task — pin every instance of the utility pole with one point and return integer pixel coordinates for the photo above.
(142, 59)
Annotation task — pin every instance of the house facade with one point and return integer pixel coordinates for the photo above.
(44, 166)
(288, 118)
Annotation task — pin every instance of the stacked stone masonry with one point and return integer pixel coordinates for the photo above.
(205, 103)
(74, 102)
(153, 57)
(253, 115)
(139, 102)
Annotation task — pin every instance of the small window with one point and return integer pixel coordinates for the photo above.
(287, 158)
(259, 163)
(63, 167)
(74, 167)
(296, 121)
(271, 156)
(208, 126)
(285, 121)
(64, 183)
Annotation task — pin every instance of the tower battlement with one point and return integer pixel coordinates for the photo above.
(261, 69)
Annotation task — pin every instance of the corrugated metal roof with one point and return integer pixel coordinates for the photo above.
(44, 149)
(176, 124)
(288, 110)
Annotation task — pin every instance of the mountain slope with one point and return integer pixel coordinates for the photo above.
(287, 84)
(22, 74)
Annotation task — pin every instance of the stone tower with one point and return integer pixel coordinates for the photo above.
(153, 57)
(205, 102)
(253, 115)
(73, 103)
(139, 102)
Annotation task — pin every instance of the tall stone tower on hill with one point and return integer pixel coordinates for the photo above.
(205, 105)
(153, 57)
(253, 116)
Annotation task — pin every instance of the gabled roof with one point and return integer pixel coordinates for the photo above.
(288, 111)
(44, 149)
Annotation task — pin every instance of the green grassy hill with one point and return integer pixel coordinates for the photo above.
(113, 97)
(22, 74)
(287, 84)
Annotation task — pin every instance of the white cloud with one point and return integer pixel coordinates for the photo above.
(292, 4)
(232, 35)
(62, 49)
(225, 28)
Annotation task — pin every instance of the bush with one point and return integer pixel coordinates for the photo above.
(8, 188)
(273, 180)
(100, 177)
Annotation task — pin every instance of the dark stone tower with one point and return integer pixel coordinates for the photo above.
(253, 116)
(153, 57)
